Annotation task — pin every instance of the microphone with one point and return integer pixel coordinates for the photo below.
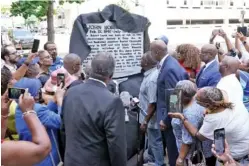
(126, 99)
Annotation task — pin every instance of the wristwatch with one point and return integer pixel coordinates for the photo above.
(184, 118)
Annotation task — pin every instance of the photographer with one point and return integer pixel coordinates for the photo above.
(195, 114)
(221, 114)
(47, 114)
(40, 146)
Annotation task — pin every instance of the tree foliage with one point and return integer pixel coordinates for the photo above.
(5, 10)
(27, 8)
(39, 9)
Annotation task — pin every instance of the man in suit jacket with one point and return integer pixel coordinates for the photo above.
(170, 72)
(209, 74)
(94, 120)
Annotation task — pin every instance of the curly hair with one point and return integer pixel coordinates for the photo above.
(190, 55)
(212, 99)
(5, 79)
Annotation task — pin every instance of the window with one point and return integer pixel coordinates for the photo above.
(196, 22)
(209, 2)
(174, 22)
(234, 21)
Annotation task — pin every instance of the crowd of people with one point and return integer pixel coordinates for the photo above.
(82, 120)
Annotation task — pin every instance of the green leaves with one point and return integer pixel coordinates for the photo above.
(38, 8)
(61, 2)
(27, 8)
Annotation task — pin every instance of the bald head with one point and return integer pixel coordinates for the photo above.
(102, 66)
(72, 63)
(208, 53)
(158, 49)
(229, 65)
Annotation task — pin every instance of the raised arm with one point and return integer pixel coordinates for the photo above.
(243, 39)
(24, 152)
(21, 71)
(223, 34)
(189, 127)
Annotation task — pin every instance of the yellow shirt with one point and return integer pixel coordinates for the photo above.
(11, 120)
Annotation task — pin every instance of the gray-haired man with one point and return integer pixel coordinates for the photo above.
(94, 119)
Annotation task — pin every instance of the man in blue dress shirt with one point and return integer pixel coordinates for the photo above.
(52, 50)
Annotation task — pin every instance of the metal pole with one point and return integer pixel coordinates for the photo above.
(243, 12)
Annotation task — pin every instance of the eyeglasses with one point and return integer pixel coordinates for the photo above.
(13, 53)
(52, 49)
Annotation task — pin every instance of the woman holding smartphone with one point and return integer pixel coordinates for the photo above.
(16, 152)
(195, 114)
(221, 114)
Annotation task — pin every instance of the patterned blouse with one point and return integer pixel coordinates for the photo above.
(195, 114)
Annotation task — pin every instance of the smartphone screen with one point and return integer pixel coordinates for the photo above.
(174, 102)
(15, 93)
(61, 79)
(35, 46)
(219, 141)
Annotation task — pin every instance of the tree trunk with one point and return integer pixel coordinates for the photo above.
(50, 21)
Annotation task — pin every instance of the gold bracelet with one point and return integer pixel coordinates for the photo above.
(28, 112)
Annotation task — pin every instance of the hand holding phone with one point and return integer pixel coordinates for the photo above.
(15, 93)
(175, 100)
(219, 141)
(242, 30)
(226, 156)
(5, 104)
(26, 101)
(61, 79)
(35, 46)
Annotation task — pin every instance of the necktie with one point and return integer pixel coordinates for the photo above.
(200, 73)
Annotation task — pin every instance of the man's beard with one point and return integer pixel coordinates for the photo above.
(13, 62)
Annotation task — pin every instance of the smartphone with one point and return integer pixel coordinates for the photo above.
(219, 141)
(215, 32)
(242, 30)
(40, 96)
(35, 46)
(174, 100)
(61, 79)
(15, 93)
